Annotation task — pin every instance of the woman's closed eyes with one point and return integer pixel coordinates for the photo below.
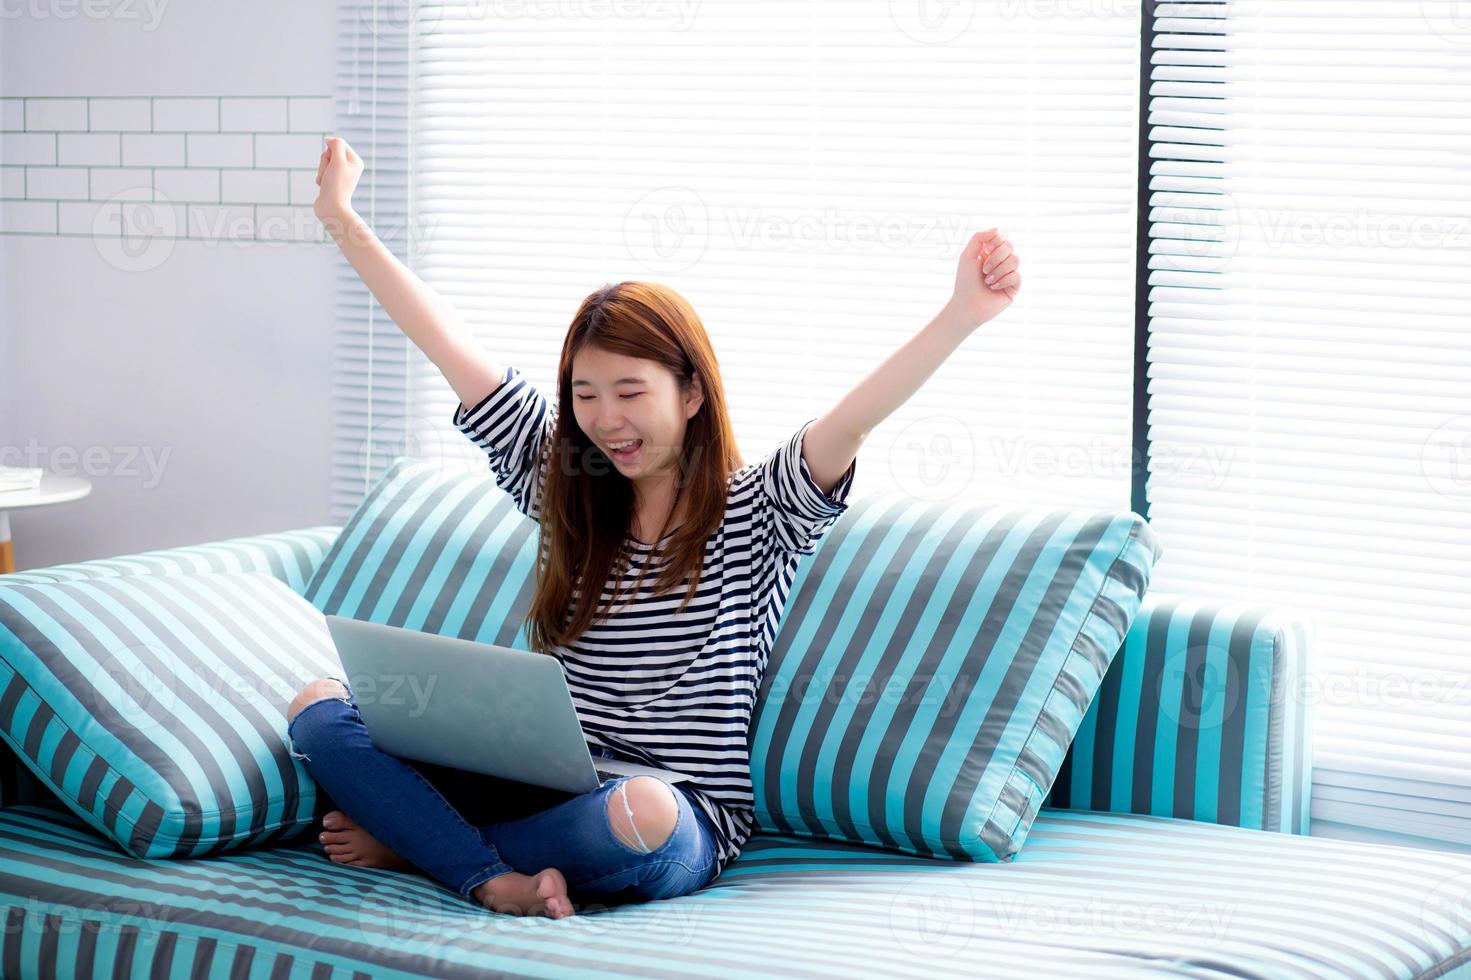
(585, 398)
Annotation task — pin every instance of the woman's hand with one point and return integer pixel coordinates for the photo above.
(988, 255)
(338, 172)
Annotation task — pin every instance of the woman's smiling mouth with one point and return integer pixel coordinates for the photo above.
(627, 454)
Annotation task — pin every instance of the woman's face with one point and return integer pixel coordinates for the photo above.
(618, 398)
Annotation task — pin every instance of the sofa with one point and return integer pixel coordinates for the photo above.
(1172, 839)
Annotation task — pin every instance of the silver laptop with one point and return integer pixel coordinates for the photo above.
(474, 706)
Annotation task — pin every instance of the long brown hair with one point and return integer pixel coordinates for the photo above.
(587, 504)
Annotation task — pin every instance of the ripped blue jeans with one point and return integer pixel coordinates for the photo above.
(463, 828)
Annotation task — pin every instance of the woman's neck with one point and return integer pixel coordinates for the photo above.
(649, 519)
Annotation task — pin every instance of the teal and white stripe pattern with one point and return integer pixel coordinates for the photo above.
(291, 556)
(932, 666)
(436, 551)
(1092, 895)
(1202, 715)
(155, 705)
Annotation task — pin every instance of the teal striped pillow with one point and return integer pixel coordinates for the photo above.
(1201, 716)
(290, 556)
(932, 666)
(434, 550)
(155, 706)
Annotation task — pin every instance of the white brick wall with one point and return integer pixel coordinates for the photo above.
(221, 168)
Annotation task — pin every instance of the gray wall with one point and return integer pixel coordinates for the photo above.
(191, 384)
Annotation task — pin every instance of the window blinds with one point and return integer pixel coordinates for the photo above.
(1309, 361)
(372, 368)
(806, 174)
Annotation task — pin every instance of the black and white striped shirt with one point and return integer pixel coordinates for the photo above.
(676, 690)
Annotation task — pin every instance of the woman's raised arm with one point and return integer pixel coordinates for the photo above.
(421, 313)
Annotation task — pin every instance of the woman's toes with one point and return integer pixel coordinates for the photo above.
(339, 822)
(552, 889)
(353, 845)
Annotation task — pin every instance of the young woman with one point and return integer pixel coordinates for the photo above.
(634, 478)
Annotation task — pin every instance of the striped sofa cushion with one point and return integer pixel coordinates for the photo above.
(1201, 715)
(434, 550)
(1094, 895)
(154, 706)
(933, 663)
(291, 556)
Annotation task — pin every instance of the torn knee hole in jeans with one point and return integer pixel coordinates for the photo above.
(623, 793)
(291, 747)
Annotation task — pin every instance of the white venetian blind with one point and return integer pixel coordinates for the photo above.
(1310, 367)
(806, 174)
(372, 368)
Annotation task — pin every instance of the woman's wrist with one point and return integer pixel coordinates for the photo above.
(339, 221)
(953, 314)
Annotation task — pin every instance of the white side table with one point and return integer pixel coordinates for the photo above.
(53, 490)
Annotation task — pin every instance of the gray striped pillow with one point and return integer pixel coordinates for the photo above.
(932, 666)
(154, 706)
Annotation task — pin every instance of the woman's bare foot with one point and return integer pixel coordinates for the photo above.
(544, 893)
(347, 843)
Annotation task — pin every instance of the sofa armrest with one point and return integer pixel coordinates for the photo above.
(1203, 714)
(291, 556)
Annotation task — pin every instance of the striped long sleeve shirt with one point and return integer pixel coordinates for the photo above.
(676, 690)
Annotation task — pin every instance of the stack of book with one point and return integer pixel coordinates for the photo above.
(20, 477)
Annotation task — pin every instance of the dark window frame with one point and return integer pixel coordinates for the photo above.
(1139, 456)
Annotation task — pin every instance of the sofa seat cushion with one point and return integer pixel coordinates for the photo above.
(154, 706)
(932, 666)
(1093, 894)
